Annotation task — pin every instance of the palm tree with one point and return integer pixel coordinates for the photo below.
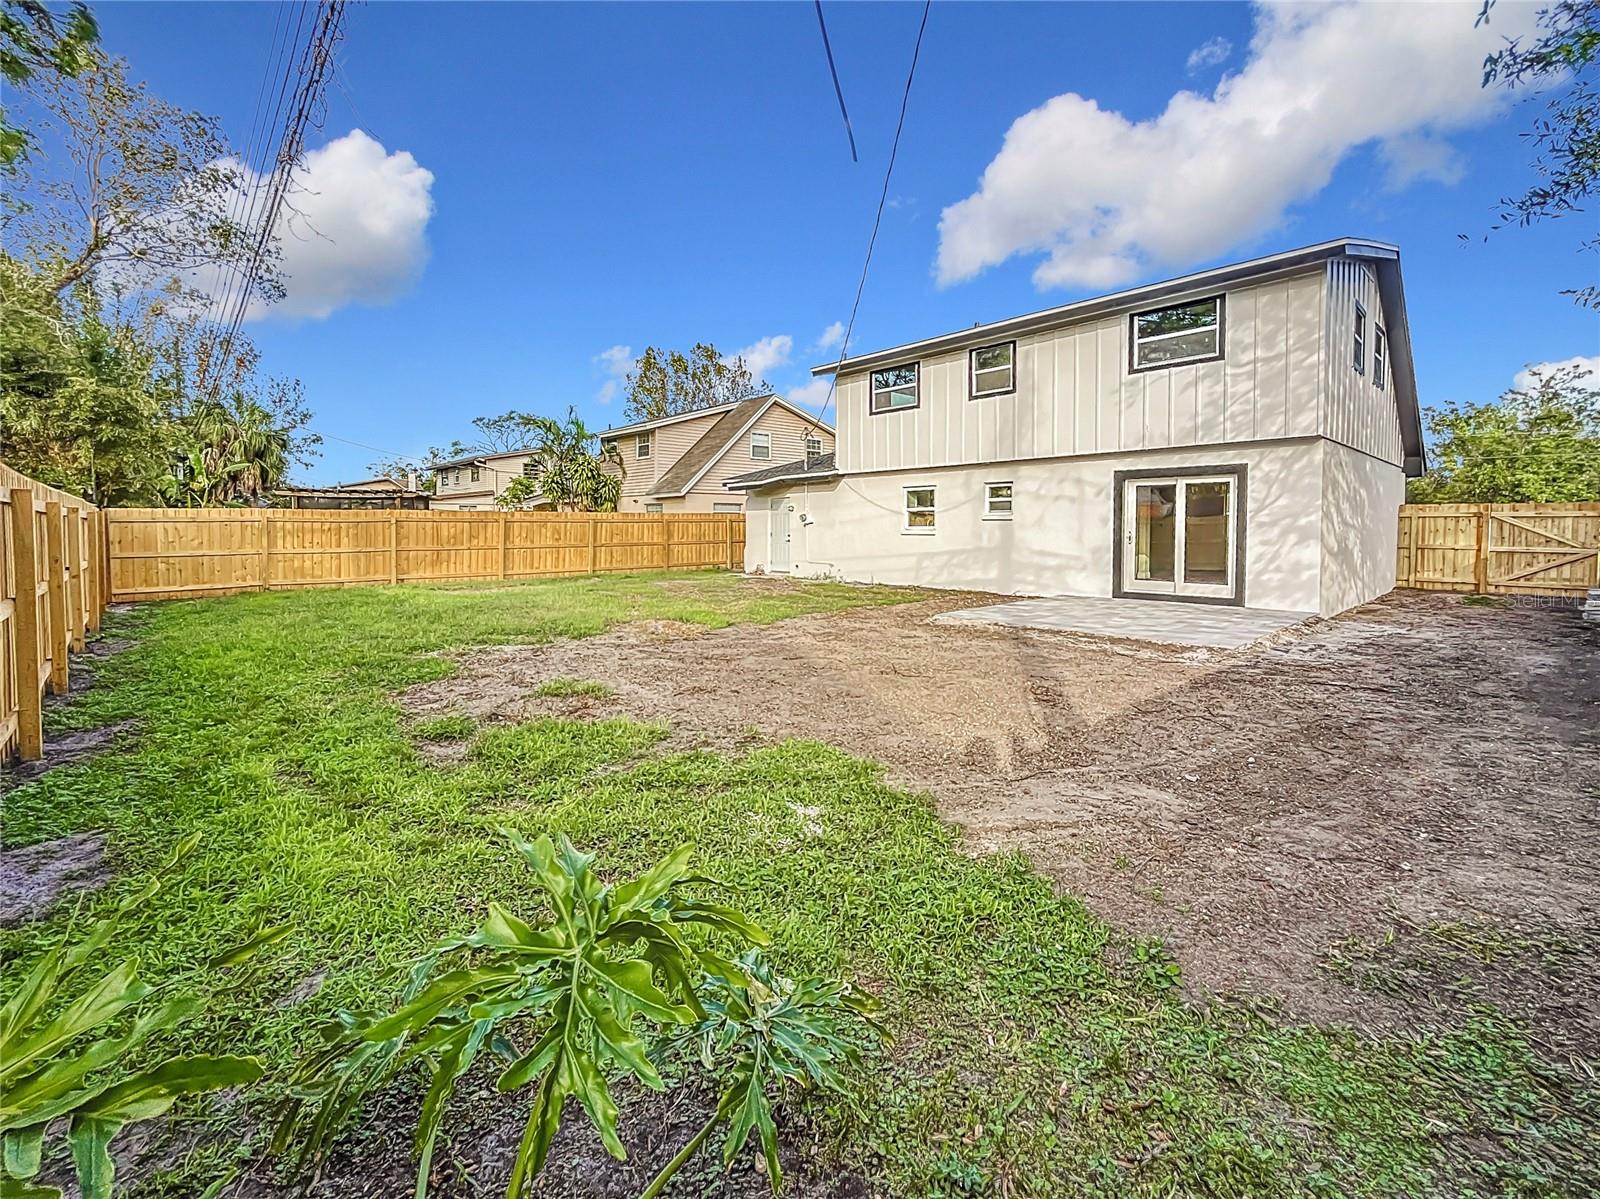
(567, 469)
(235, 454)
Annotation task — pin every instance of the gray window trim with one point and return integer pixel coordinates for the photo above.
(1222, 334)
(1241, 525)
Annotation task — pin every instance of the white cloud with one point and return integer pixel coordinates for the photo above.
(353, 229)
(767, 354)
(1103, 197)
(810, 395)
(1209, 54)
(616, 362)
(1589, 362)
(831, 336)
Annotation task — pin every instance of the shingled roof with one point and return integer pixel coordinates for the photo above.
(819, 466)
(681, 474)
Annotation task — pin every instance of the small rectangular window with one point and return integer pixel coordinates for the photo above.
(919, 510)
(727, 508)
(992, 370)
(530, 468)
(895, 388)
(641, 446)
(813, 446)
(1380, 352)
(1176, 334)
(652, 507)
(761, 445)
(997, 501)
(474, 474)
(1360, 346)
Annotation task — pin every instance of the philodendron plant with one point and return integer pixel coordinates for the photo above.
(65, 1051)
(595, 992)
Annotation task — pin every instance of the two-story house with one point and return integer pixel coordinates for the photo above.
(680, 463)
(472, 483)
(1239, 436)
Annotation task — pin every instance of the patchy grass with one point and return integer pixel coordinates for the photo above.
(574, 689)
(1039, 1052)
(444, 728)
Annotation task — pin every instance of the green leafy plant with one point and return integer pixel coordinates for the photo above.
(764, 1032)
(50, 1069)
(614, 964)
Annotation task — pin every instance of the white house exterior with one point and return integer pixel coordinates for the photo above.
(1238, 436)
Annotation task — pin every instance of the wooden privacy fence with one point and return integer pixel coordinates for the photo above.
(51, 598)
(170, 553)
(1500, 549)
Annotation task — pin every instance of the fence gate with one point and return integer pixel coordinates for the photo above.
(1501, 549)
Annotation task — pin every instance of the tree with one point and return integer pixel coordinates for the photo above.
(568, 471)
(1566, 141)
(32, 39)
(146, 194)
(669, 382)
(504, 434)
(1536, 444)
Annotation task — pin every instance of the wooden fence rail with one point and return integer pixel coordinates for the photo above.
(168, 553)
(52, 595)
(1500, 549)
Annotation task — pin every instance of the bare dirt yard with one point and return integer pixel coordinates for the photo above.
(1367, 818)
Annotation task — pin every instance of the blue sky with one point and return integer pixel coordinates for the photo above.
(544, 183)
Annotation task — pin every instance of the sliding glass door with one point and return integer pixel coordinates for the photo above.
(1178, 536)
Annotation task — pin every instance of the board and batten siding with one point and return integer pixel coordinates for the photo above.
(1075, 394)
(1356, 412)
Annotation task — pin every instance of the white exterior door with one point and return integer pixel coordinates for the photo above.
(1179, 536)
(779, 555)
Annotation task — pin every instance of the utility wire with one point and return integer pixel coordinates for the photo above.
(877, 220)
(837, 90)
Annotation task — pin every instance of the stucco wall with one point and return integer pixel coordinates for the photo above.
(1059, 539)
(1361, 498)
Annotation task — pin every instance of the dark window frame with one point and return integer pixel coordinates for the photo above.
(1241, 525)
(1358, 339)
(972, 372)
(1222, 334)
(872, 409)
(1380, 356)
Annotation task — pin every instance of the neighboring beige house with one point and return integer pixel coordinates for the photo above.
(680, 463)
(472, 483)
(1238, 436)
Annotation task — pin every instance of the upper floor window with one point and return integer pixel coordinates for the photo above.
(761, 445)
(1360, 347)
(641, 446)
(474, 474)
(895, 387)
(530, 468)
(993, 369)
(1380, 353)
(1179, 333)
(813, 446)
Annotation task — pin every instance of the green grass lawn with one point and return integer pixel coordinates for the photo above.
(1038, 1051)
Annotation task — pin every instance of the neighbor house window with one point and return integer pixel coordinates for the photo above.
(641, 446)
(727, 507)
(474, 474)
(1360, 347)
(919, 510)
(761, 445)
(895, 388)
(530, 468)
(997, 501)
(652, 507)
(993, 369)
(1380, 354)
(1179, 333)
(813, 446)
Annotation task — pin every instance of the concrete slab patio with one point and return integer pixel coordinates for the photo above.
(1214, 626)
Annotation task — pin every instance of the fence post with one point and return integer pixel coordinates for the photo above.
(26, 653)
(55, 565)
(727, 528)
(1480, 564)
(76, 617)
(97, 574)
(593, 524)
(666, 542)
(261, 548)
(502, 545)
(394, 547)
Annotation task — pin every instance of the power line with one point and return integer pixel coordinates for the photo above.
(877, 220)
(837, 90)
